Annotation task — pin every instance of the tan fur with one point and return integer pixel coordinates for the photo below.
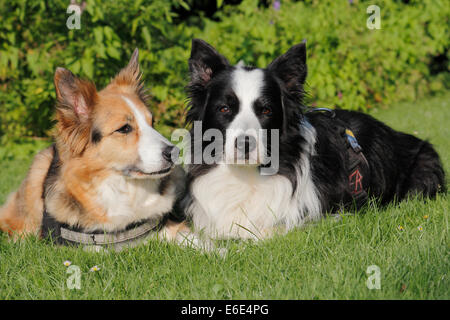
(81, 167)
(22, 212)
(173, 229)
(81, 175)
(83, 164)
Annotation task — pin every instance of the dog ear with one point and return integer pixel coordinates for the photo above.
(130, 78)
(205, 62)
(76, 99)
(291, 69)
(75, 96)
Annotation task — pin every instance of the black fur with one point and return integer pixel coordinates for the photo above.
(96, 136)
(400, 164)
(53, 172)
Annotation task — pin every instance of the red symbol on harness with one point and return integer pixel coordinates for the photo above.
(355, 179)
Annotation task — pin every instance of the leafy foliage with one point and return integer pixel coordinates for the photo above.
(350, 66)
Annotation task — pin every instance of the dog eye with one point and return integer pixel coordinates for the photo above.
(266, 111)
(224, 109)
(125, 129)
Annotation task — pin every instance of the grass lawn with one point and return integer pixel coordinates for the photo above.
(327, 260)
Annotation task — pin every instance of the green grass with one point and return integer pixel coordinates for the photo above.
(327, 260)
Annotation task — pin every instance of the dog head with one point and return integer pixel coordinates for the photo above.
(112, 128)
(246, 103)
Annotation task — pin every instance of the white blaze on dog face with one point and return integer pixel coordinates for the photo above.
(151, 143)
(121, 133)
(123, 138)
(247, 86)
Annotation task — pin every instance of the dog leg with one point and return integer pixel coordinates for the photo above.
(181, 234)
(22, 213)
(426, 174)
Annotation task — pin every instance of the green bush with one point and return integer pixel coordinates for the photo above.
(350, 66)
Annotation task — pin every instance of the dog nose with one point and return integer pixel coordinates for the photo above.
(245, 144)
(171, 153)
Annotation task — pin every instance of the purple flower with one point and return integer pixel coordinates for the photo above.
(276, 5)
(340, 95)
(350, 1)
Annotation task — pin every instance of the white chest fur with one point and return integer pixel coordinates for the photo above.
(130, 200)
(233, 201)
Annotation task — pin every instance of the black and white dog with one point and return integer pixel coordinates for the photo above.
(320, 166)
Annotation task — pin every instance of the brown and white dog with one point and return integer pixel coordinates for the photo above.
(108, 169)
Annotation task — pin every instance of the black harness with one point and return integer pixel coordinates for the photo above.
(358, 169)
